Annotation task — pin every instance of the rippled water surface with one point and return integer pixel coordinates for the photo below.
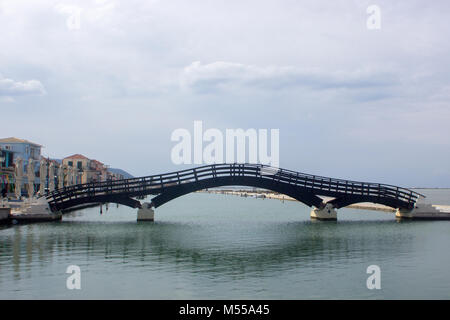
(207, 246)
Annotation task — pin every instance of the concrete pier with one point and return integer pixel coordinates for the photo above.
(424, 211)
(326, 213)
(34, 217)
(146, 213)
(32, 211)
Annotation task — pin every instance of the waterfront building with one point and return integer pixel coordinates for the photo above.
(90, 170)
(83, 166)
(21, 148)
(13, 148)
(6, 170)
(101, 169)
(115, 176)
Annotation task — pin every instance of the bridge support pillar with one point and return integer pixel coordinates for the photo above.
(326, 213)
(146, 213)
(423, 211)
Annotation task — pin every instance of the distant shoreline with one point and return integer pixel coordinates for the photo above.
(415, 188)
(264, 194)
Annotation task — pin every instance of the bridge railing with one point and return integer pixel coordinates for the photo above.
(317, 184)
(307, 181)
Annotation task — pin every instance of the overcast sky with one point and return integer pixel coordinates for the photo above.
(349, 102)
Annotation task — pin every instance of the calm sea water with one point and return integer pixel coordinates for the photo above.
(206, 246)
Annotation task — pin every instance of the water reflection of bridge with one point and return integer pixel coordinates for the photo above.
(173, 244)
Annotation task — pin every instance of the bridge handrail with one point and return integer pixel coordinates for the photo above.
(186, 173)
(208, 167)
(314, 182)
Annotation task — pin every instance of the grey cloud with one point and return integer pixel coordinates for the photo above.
(227, 75)
(309, 68)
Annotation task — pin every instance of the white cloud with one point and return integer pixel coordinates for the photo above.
(226, 75)
(10, 88)
(93, 13)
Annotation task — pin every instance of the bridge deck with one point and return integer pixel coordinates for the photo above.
(181, 182)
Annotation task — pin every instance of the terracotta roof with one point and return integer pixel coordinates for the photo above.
(76, 156)
(96, 161)
(17, 140)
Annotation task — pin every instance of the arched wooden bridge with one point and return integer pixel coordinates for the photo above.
(305, 188)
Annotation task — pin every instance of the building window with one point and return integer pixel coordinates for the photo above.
(70, 163)
(80, 165)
